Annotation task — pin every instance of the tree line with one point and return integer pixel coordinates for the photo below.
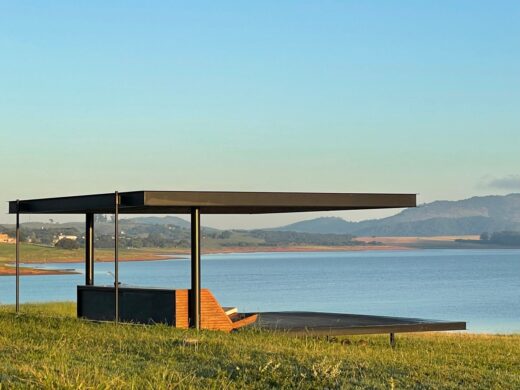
(506, 237)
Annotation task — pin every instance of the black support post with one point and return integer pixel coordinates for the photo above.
(194, 312)
(17, 256)
(89, 249)
(116, 258)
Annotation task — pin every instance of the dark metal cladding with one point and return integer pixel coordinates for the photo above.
(138, 305)
(82, 204)
(213, 202)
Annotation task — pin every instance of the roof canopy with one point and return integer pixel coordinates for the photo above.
(211, 202)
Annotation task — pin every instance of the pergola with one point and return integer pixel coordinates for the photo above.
(194, 203)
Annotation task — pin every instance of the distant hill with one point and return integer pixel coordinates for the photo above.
(166, 220)
(324, 225)
(469, 216)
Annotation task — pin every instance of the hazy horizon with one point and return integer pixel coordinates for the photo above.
(401, 97)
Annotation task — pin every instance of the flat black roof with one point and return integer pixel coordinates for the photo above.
(212, 202)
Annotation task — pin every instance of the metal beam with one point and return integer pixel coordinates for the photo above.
(89, 249)
(17, 256)
(212, 202)
(116, 258)
(194, 306)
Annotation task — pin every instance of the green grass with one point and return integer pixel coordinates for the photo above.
(29, 252)
(236, 239)
(48, 348)
(46, 254)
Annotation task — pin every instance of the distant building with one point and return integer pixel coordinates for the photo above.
(62, 236)
(5, 239)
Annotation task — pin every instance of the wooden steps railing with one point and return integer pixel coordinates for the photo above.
(230, 310)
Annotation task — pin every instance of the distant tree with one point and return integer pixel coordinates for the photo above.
(183, 243)
(505, 238)
(100, 218)
(274, 238)
(67, 243)
(484, 236)
(225, 235)
(104, 241)
(135, 243)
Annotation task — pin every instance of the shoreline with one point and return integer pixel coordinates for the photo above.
(7, 269)
(158, 254)
(304, 248)
(26, 271)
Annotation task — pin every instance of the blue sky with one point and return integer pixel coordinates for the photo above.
(365, 96)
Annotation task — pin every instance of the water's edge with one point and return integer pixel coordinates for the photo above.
(477, 286)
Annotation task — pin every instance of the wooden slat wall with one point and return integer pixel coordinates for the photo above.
(181, 308)
(212, 314)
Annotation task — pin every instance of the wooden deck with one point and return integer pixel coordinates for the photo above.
(336, 324)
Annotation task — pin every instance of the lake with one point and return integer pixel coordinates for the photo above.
(481, 287)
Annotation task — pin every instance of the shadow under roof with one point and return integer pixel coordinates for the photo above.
(212, 202)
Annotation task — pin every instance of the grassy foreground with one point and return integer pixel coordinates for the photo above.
(46, 347)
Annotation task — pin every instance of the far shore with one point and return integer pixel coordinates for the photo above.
(25, 271)
(303, 248)
(35, 254)
(162, 254)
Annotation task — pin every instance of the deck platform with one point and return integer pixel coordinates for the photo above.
(337, 324)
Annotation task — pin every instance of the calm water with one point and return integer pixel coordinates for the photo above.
(481, 287)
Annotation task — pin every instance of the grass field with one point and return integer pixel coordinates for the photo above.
(30, 253)
(42, 254)
(46, 347)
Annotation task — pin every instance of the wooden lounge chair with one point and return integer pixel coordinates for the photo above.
(213, 316)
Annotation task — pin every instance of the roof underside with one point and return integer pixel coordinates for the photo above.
(181, 202)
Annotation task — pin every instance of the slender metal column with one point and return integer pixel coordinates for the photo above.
(116, 258)
(195, 269)
(17, 256)
(89, 249)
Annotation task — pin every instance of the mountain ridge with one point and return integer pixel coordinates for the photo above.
(474, 215)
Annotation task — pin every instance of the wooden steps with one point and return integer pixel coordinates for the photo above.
(240, 319)
(213, 316)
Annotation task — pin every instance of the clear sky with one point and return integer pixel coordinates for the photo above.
(353, 96)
